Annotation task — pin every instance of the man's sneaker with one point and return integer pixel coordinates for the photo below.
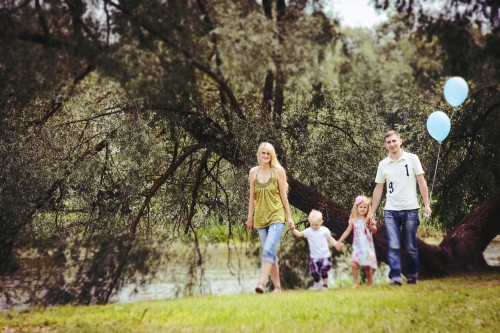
(411, 281)
(395, 283)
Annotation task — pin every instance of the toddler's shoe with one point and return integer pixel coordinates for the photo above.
(395, 283)
(324, 288)
(316, 286)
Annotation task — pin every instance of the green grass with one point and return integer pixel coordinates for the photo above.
(463, 304)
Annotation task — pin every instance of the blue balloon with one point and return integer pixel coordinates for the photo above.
(456, 91)
(438, 125)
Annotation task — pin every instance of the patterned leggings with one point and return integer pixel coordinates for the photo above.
(319, 268)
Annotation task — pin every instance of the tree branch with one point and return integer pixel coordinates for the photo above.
(268, 94)
(191, 59)
(133, 227)
(340, 129)
(267, 6)
(91, 118)
(196, 186)
(42, 18)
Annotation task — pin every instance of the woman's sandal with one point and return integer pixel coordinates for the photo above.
(259, 289)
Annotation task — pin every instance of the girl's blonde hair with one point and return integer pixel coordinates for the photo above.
(360, 199)
(274, 159)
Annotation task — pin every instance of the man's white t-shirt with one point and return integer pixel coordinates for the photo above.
(318, 242)
(401, 181)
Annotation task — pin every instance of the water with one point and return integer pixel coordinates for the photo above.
(236, 274)
(492, 253)
(223, 277)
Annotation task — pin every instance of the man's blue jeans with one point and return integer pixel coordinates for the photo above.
(407, 221)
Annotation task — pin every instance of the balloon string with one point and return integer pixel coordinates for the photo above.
(454, 109)
(435, 170)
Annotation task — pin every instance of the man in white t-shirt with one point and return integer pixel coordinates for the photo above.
(318, 238)
(400, 171)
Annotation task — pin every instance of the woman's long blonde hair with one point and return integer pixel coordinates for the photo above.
(360, 199)
(274, 159)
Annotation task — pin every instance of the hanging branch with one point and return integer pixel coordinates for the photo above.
(194, 193)
(133, 227)
(159, 182)
(191, 59)
(41, 18)
(92, 118)
(347, 134)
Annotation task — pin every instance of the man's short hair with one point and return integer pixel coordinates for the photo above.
(390, 133)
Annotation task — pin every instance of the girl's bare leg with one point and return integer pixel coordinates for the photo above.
(354, 267)
(368, 271)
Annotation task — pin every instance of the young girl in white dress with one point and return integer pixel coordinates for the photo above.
(363, 250)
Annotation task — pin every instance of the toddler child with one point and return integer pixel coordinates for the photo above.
(318, 238)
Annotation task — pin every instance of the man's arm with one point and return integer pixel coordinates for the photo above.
(376, 197)
(424, 191)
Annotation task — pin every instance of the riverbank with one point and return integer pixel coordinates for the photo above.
(460, 304)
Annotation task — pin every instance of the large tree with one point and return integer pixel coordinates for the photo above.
(209, 80)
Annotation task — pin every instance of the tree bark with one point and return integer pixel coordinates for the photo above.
(460, 252)
(268, 95)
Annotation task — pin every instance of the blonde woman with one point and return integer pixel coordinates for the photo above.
(268, 210)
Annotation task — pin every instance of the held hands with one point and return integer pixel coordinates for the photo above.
(338, 246)
(291, 224)
(370, 222)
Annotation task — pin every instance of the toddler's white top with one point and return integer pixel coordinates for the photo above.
(318, 242)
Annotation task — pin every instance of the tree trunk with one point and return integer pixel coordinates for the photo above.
(460, 252)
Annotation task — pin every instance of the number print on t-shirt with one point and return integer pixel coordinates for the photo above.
(407, 173)
(391, 187)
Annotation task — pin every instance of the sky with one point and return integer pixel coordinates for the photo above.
(356, 13)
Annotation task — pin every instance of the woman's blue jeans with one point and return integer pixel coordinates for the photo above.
(407, 221)
(269, 239)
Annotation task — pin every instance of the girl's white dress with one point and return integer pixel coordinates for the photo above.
(363, 252)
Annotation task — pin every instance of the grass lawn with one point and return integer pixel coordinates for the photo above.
(462, 304)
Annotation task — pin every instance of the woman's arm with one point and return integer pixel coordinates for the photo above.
(251, 200)
(281, 175)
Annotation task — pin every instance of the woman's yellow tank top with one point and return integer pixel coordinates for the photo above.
(268, 206)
